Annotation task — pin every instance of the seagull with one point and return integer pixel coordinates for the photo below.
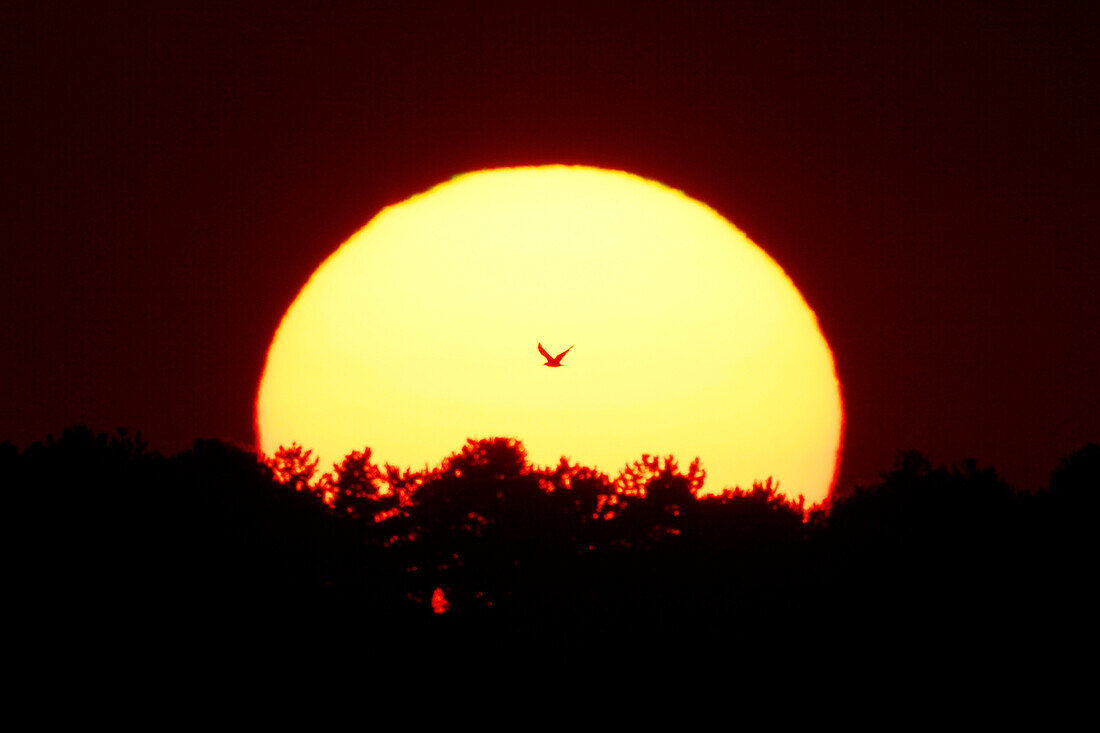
(553, 361)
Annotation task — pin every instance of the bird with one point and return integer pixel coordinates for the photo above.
(553, 361)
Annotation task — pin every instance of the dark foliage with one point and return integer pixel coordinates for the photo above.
(487, 546)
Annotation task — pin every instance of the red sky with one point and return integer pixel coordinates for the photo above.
(924, 174)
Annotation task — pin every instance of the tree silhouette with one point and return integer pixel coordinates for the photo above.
(928, 555)
(292, 467)
(357, 488)
(1076, 480)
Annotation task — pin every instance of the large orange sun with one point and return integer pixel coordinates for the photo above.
(421, 330)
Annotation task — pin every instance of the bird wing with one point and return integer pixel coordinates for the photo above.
(544, 352)
(559, 356)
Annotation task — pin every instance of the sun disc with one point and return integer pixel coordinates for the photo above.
(420, 331)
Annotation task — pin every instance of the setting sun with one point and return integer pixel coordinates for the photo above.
(422, 330)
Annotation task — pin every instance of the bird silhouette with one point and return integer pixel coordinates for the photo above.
(553, 361)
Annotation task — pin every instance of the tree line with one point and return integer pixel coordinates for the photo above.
(487, 543)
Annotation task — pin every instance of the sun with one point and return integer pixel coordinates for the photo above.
(420, 331)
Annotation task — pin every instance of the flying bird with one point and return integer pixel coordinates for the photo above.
(553, 361)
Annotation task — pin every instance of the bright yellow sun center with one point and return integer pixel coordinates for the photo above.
(421, 330)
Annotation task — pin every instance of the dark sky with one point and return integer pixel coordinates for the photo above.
(924, 172)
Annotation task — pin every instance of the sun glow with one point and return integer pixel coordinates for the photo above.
(420, 332)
